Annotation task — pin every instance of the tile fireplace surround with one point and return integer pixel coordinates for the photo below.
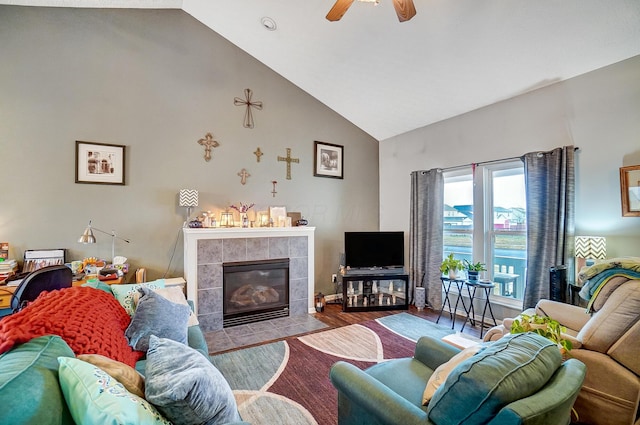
(205, 250)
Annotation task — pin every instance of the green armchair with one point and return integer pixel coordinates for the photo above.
(517, 380)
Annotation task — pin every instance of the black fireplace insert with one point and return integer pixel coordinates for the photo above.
(255, 290)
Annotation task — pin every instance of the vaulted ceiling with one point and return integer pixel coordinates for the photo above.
(388, 77)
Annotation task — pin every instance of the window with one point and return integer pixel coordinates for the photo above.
(485, 220)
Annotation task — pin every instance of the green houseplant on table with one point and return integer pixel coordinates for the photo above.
(473, 269)
(451, 266)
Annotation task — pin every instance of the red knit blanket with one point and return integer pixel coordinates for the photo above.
(89, 320)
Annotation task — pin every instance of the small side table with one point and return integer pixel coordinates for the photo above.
(487, 287)
(446, 286)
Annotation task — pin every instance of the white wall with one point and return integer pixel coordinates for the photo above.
(598, 112)
(157, 81)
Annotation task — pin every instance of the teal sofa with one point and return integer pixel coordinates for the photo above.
(520, 379)
(29, 388)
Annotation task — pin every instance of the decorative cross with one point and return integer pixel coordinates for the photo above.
(289, 160)
(273, 192)
(248, 115)
(258, 153)
(243, 176)
(208, 143)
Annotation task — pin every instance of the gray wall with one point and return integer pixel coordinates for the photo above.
(157, 81)
(598, 112)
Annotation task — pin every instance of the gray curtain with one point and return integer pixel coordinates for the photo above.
(425, 234)
(550, 193)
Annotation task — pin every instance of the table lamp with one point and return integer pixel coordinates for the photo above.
(589, 248)
(188, 198)
(88, 237)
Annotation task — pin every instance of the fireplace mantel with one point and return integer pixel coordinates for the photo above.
(203, 258)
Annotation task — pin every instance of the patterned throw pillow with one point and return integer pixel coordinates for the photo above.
(94, 397)
(124, 293)
(132, 380)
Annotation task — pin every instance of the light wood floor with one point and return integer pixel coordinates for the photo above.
(334, 317)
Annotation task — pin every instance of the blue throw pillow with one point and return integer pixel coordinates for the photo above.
(514, 367)
(186, 387)
(156, 315)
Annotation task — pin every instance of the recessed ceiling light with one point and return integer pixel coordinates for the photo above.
(269, 23)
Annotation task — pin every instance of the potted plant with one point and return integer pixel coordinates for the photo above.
(473, 269)
(451, 266)
(545, 326)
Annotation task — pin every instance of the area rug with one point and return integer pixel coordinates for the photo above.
(287, 382)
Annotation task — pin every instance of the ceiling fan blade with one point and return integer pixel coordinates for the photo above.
(404, 9)
(339, 9)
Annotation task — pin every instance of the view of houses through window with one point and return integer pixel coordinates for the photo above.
(485, 221)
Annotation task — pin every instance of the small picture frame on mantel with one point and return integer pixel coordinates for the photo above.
(99, 163)
(630, 190)
(328, 160)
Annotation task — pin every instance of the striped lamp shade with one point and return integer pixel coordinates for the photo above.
(594, 247)
(188, 198)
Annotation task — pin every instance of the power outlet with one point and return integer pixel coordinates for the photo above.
(334, 278)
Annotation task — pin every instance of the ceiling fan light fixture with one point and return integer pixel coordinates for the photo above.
(269, 23)
(405, 9)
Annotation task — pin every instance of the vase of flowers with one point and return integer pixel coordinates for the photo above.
(243, 209)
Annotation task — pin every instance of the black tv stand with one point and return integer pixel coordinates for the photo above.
(375, 289)
(366, 271)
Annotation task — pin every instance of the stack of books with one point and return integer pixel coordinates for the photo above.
(7, 269)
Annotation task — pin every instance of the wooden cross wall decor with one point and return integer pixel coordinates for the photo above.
(208, 143)
(288, 160)
(243, 176)
(258, 153)
(248, 115)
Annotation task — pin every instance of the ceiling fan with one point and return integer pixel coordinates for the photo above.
(404, 9)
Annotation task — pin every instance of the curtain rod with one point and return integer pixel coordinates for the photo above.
(487, 162)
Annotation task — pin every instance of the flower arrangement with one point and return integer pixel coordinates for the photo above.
(243, 208)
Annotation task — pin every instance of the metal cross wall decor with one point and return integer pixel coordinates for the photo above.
(248, 115)
(288, 160)
(208, 143)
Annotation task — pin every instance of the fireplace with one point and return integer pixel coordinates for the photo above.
(255, 291)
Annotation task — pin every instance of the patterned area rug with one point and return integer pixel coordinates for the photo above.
(287, 382)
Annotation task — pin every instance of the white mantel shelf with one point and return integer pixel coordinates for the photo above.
(246, 232)
(193, 235)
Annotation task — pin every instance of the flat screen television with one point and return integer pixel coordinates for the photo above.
(374, 249)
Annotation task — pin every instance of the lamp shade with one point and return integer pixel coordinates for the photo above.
(188, 198)
(87, 236)
(594, 247)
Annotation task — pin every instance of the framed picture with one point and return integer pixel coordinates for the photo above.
(99, 163)
(630, 190)
(328, 160)
(278, 215)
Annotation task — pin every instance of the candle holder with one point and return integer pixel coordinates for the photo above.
(226, 219)
(319, 302)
